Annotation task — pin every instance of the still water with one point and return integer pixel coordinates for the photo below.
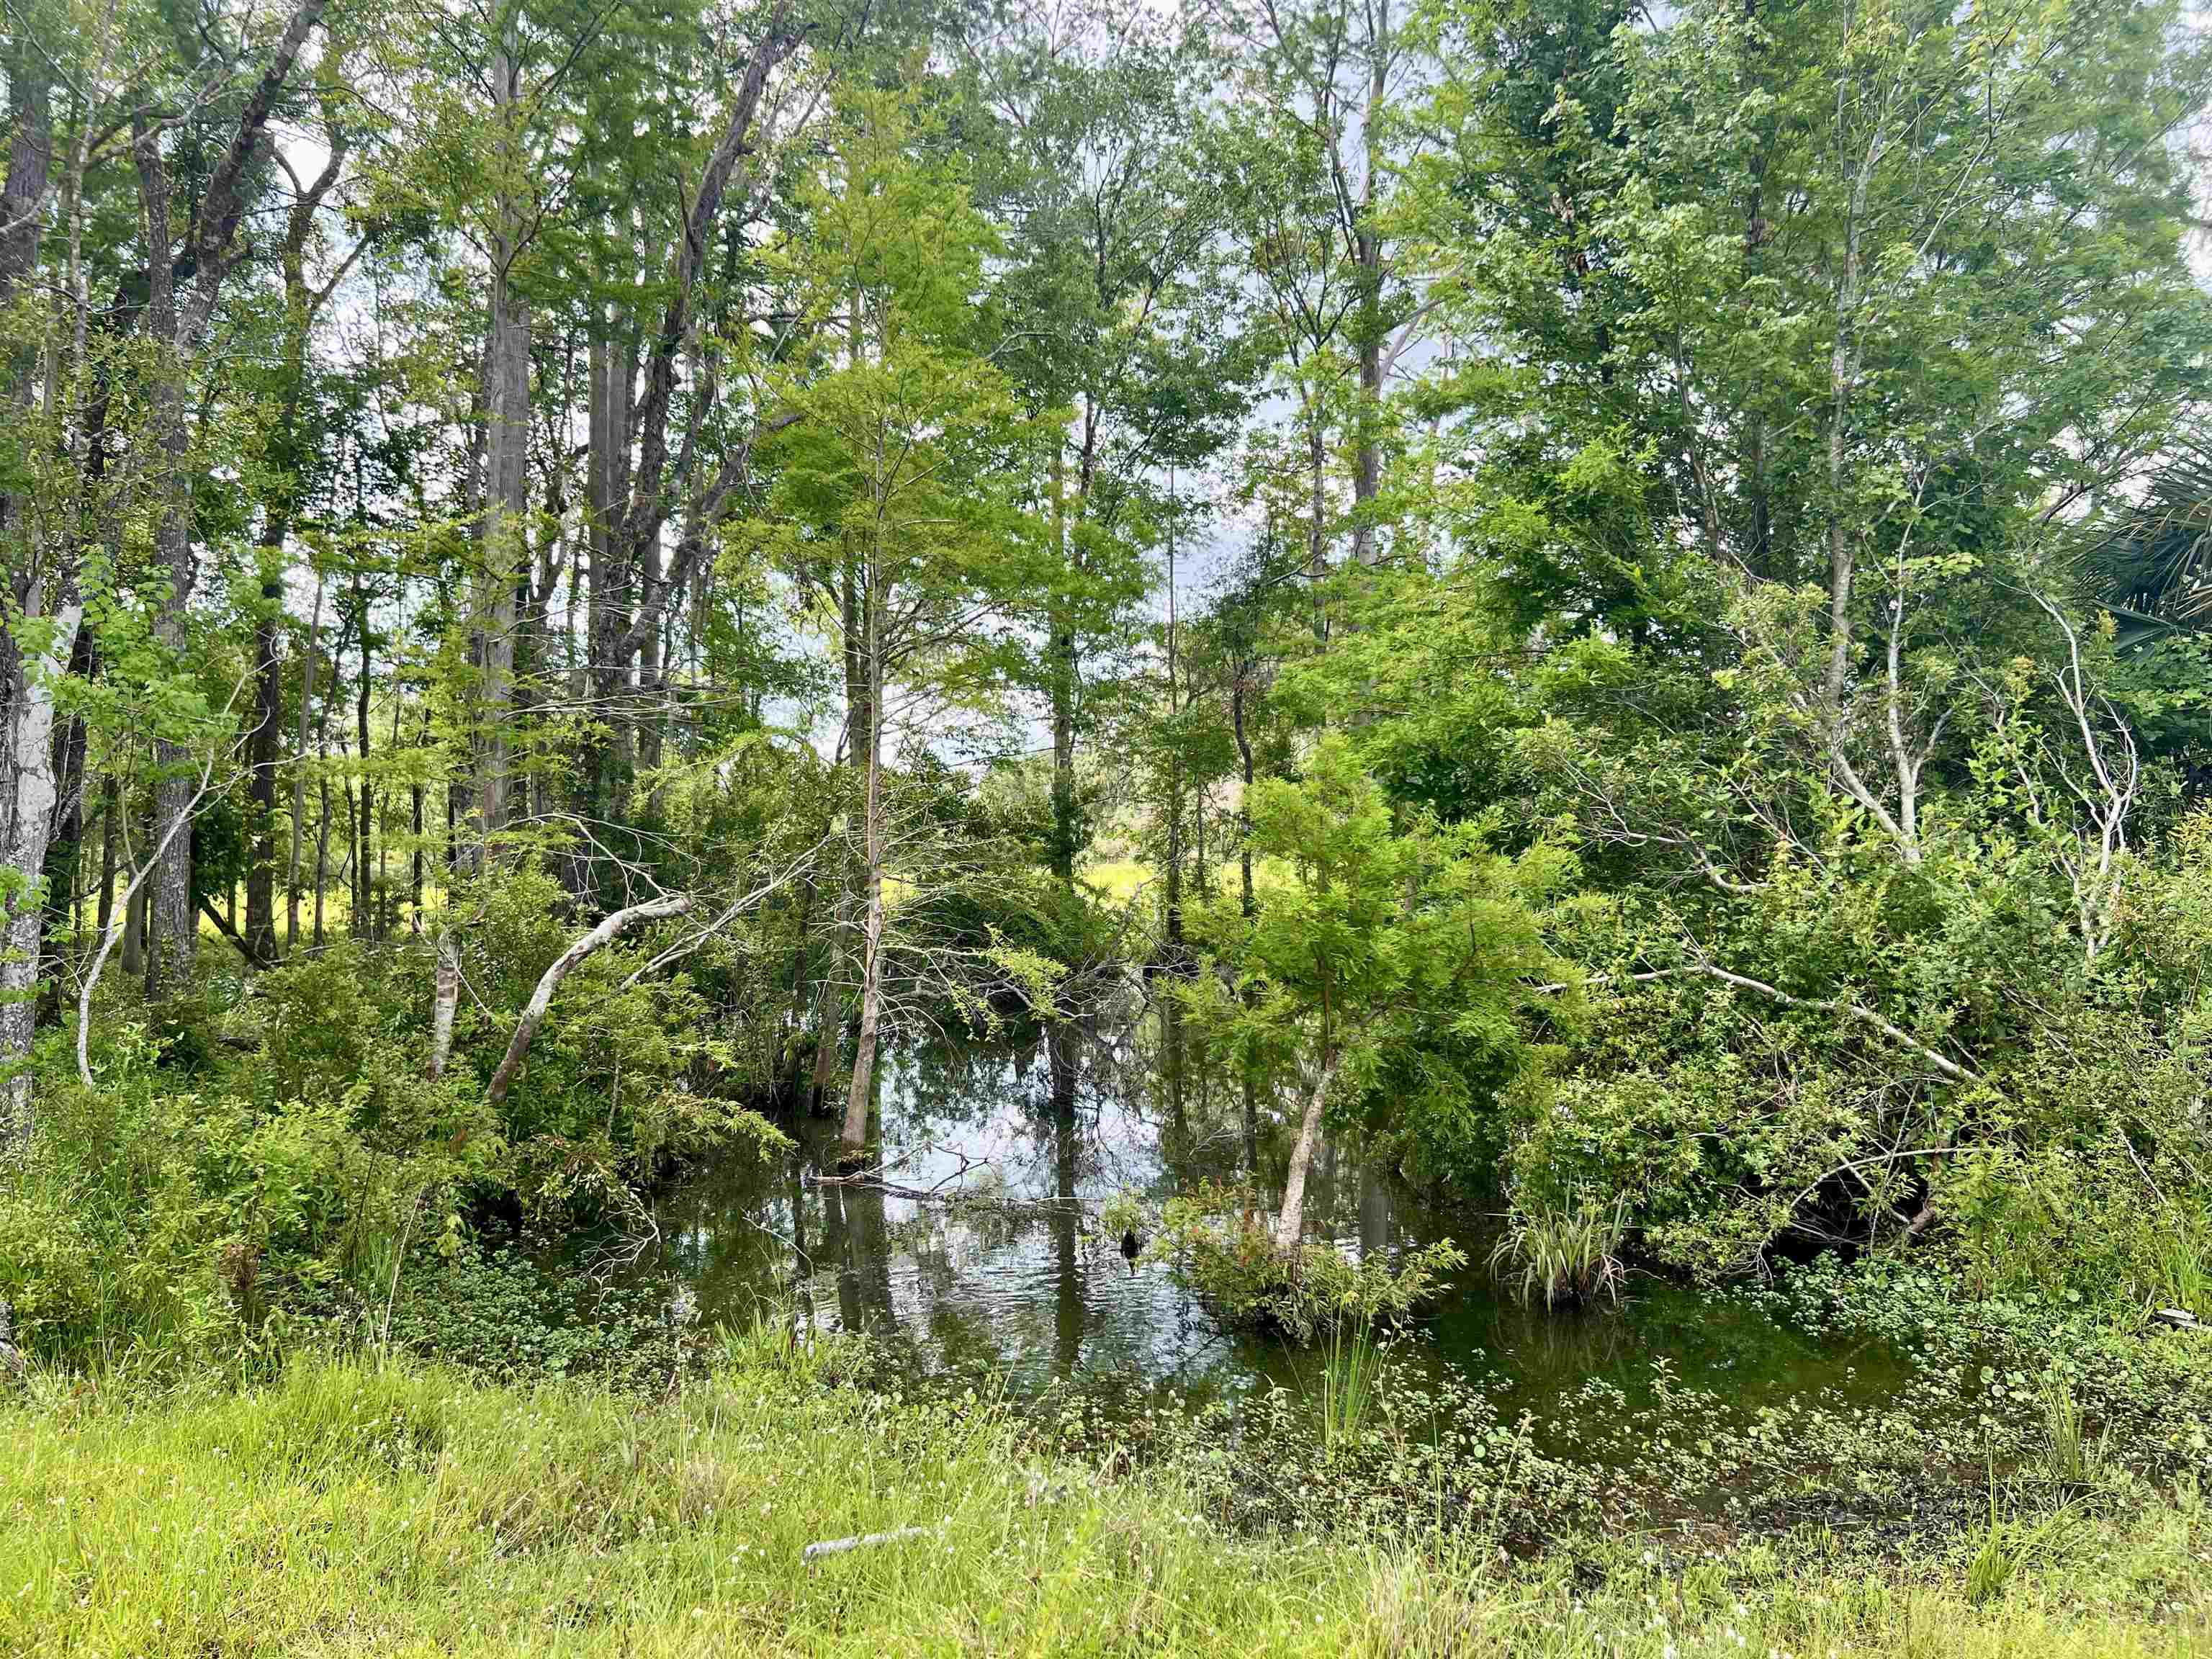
(952, 1261)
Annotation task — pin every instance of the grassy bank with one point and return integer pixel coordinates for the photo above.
(350, 1508)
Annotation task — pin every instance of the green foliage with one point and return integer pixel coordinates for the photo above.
(1228, 1254)
(1406, 962)
(1558, 1256)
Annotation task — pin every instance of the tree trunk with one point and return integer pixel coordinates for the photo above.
(172, 924)
(855, 1140)
(1367, 248)
(300, 770)
(507, 397)
(1290, 1225)
(445, 999)
(261, 783)
(364, 906)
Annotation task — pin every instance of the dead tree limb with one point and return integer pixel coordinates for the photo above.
(533, 1015)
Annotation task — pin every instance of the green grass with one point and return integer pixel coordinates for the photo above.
(1562, 1256)
(349, 1508)
(1351, 1358)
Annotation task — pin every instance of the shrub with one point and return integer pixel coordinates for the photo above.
(1222, 1245)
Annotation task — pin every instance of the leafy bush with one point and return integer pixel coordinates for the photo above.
(1227, 1252)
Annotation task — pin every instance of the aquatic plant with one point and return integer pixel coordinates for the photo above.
(1220, 1244)
(1563, 1256)
(2070, 1457)
(1351, 1357)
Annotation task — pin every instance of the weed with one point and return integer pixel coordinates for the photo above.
(1350, 1359)
(1563, 1256)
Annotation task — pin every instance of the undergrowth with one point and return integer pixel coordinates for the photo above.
(349, 1507)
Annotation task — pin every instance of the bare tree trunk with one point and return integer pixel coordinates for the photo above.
(28, 797)
(1290, 1225)
(445, 999)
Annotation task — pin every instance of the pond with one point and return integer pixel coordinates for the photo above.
(949, 1261)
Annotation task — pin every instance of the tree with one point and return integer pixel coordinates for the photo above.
(897, 485)
(1405, 965)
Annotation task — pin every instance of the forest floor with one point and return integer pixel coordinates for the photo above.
(350, 1507)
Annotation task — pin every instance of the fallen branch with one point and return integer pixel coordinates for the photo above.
(943, 1196)
(533, 1015)
(814, 1553)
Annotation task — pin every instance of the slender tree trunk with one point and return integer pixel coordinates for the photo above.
(445, 999)
(1173, 873)
(506, 457)
(1318, 510)
(855, 1140)
(134, 929)
(1290, 1225)
(1067, 831)
(110, 810)
(261, 783)
(1247, 902)
(172, 926)
(1367, 247)
(300, 769)
(322, 852)
(364, 918)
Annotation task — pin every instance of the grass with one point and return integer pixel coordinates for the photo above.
(2071, 1457)
(1562, 1256)
(354, 1508)
(1350, 1357)
(2180, 1268)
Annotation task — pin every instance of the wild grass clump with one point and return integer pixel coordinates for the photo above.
(2179, 1267)
(1352, 1356)
(1563, 1256)
(2071, 1457)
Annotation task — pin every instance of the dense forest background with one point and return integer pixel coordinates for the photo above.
(1608, 602)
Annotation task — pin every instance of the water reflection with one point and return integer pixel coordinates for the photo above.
(1016, 1285)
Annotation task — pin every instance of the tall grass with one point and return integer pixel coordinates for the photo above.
(2179, 1268)
(2070, 1457)
(357, 1509)
(1352, 1356)
(1563, 1256)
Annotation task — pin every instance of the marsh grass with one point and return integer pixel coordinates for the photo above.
(2008, 1545)
(1352, 1356)
(2070, 1457)
(350, 1507)
(2179, 1269)
(1563, 1256)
